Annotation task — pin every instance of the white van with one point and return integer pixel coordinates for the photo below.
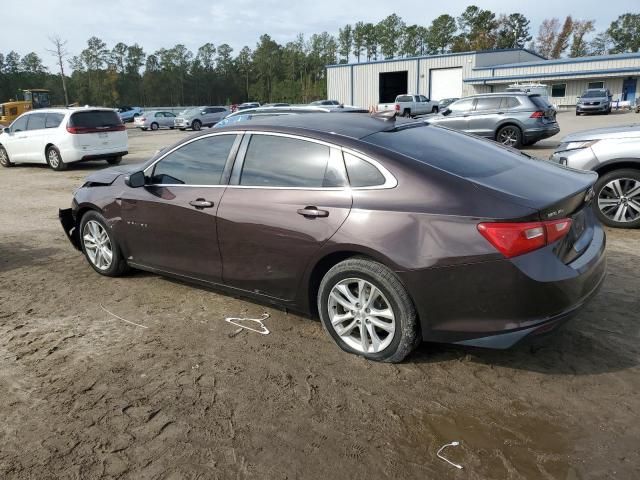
(60, 136)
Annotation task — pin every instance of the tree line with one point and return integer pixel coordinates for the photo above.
(295, 71)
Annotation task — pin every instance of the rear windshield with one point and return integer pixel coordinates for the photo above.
(95, 119)
(450, 151)
(539, 101)
(404, 98)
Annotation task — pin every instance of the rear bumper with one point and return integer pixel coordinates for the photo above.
(536, 134)
(498, 303)
(69, 226)
(102, 156)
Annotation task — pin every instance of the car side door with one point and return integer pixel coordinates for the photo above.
(486, 116)
(17, 142)
(457, 114)
(287, 196)
(168, 119)
(208, 117)
(170, 223)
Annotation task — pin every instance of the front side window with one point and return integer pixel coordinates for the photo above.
(462, 105)
(169, 115)
(53, 120)
(200, 162)
(362, 173)
(20, 125)
(36, 121)
(273, 161)
(558, 90)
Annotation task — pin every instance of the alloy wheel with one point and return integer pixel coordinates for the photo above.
(508, 136)
(97, 245)
(619, 200)
(54, 158)
(361, 315)
(4, 157)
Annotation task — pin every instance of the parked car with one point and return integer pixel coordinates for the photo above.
(513, 119)
(442, 104)
(393, 231)
(410, 105)
(245, 105)
(129, 114)
(155, 119)
(594, 100)
(637, 107)
(276, 105)
(614, 153)
(198, 117)
(263, 112)
(325, 103)
(60, 136)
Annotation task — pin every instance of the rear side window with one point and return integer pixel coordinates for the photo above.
(36, 121)
(200, 162)
(273, 161)
(509, 102)
(362, 173)
(404, 98)
(53, 120)
(95, 119)
(433, 146)
(488, 103)
(539, 102)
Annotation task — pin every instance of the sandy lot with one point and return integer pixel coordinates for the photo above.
(85, 395)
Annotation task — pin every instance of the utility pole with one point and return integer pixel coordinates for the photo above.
(59, 51)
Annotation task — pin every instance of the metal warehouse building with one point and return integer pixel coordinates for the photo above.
(462, 74)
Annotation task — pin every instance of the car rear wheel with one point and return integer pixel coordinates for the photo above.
(434, 110)
(511, 136)
(406, 112)
(4, 158)
(54, 159)
(114, 160)
(367, 311)
(99, 246)
(154, 126)
(618, 198)
(196, 125)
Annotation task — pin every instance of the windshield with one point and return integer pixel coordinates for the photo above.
(594, 94)
(191, 112)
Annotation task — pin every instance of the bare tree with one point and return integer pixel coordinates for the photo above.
(562, 40)
(547, 36)
(60, 52)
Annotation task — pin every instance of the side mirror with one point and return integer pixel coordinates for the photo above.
(135, 180)
(6, 130)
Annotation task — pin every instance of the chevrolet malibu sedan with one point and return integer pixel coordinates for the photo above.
(393, 232)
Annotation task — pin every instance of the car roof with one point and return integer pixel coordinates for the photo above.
(502, 94)
(69, 110)
(356, 126)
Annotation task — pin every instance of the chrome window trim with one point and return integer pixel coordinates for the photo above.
(165, 154)
(390, 180)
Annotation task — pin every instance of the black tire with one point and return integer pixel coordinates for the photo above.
(577, 113)
(118, 264)
(196, 125)
(406, 335)
(155, 126)
(171, 128)
(510, 135)
(182, 129)
(406, 112)
(54, 159)
(603, 191)
(144, 129)
(435, 110)
(114, 160)
(5, 161)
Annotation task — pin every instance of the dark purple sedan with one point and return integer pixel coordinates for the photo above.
(392, 231)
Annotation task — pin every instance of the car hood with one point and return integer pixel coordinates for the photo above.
(628, 131)
(108, 175)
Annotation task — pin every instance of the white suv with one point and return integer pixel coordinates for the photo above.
(60, 136)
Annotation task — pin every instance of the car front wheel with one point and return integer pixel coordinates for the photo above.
(4, 158)
(100, 247)
(196, 125)
(618, 198)
(367, 311)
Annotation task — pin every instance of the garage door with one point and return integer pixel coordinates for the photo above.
(445, 83)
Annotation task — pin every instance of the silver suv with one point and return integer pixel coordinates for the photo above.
(513, 119)
(614, 153)
(594, 100)
(199, 117)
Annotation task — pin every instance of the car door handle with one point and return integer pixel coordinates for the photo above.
(312, 212)
(22, 138)
(500, 113)
(201, 203)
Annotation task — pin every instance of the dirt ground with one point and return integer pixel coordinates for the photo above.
(86, 395)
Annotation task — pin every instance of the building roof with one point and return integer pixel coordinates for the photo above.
(560, 61)
(439, 55)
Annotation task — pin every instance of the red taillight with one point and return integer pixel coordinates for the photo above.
(79, 130)
(397, 107)
(513, 239)
(538, 114)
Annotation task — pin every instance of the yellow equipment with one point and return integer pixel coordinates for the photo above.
(33, 98)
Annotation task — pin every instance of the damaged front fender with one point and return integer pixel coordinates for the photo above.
(69, 226)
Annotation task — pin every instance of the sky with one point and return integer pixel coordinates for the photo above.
(163, 23)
